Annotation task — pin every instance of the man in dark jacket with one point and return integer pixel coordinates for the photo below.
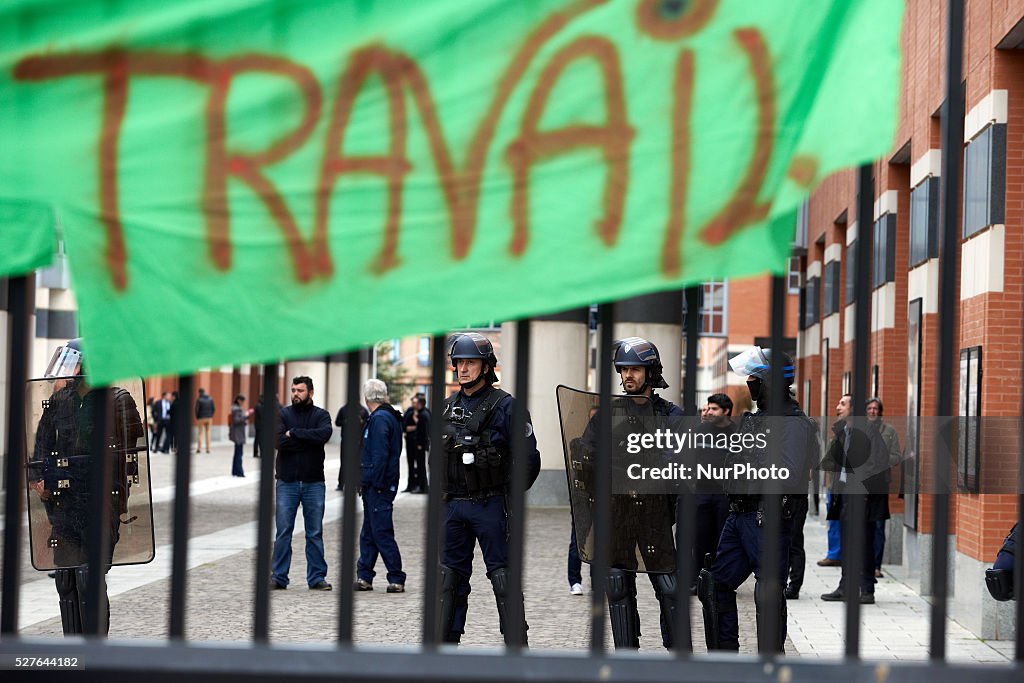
(205, 410)
(417, 441)
(339, 421)
(858, 458)
(379, 462)
(302, 431)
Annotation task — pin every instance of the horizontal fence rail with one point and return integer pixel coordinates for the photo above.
(427, 658)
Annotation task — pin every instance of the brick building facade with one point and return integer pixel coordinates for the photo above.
(904, 283)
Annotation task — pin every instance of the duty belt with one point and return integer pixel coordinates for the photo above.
(745, 506)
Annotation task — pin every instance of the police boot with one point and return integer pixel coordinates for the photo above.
(82, 578)
(770, 601)
(714, 612)
(450, 580)
(499, 583)
(70, 608)
(622, 609)
(665, 590)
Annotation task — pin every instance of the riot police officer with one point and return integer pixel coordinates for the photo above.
(478, 469)
(999, 578)
(739, 547)
(641, 521)
(60, 469)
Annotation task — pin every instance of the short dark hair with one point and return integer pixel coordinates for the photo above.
(722, 401)
(239, 398)
(302, 379)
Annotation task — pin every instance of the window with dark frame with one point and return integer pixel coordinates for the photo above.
(851, 273)
(884, 265)
(793, 275)
(831, 292)
(423, 352)
(924, 221)
(713, 309)
(847, 379)
(874, 381)
(969, 445)
(985, 180)
(811, 306)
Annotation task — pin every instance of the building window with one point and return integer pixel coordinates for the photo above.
(985, 180)
(831, 298)
(884, 266)
(713, 309)
(793, 275)
(800, 238)
(851, 273)
(394, 350)
(924, 221)
(423, 353)
(847, 379)
(968, 448)
(874, 381)
(811, 302)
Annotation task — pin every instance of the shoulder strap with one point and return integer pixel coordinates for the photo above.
(484, 412)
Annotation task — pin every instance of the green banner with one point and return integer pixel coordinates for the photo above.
(244, 181)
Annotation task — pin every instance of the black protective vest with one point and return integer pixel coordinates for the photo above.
(474, 467)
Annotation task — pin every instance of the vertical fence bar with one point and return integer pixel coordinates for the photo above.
(265, 505)
(98, 552)
(182, 481)
(517, 495)
(603, 479)
(350, 474)
(949, 202)
(431, 634)
(20, 310)
(854, 534)
(770, 539)
(686, 504)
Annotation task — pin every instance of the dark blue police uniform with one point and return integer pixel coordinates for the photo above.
(475, 507)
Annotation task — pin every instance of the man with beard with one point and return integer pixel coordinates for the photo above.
(712, 504)
(302, 431)
(641, 522)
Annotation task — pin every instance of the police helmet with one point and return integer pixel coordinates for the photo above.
(757, 362)
(66, 360)
(636, 351)
(474, 345)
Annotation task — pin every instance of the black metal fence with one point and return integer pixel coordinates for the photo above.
(429, 660)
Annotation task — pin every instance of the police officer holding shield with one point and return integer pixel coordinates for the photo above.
(641, 521)
(59, 473)
(478, 470)
(739, 547)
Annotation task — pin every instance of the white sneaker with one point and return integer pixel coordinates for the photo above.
(576, 589)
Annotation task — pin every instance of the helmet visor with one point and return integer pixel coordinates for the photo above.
(751, 362)
(64, 363)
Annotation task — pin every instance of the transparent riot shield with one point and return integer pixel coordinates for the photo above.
(642, 538)
(59, 466)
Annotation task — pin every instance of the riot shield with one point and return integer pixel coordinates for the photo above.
(59, 466)
(642, 539)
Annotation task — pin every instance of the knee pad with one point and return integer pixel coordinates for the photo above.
(499, 584)
(621, 585)
(450, 580)
(622, 610)
(665, 591)
(69, 600)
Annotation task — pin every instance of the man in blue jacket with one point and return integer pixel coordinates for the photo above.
(301, 434)
(381, 451)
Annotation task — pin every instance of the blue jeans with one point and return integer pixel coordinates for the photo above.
(834, 536)
(378, 537)
(312, 496)
(236, 463)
